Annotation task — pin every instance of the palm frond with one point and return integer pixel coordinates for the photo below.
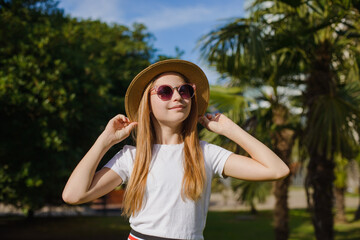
(334, 120)
(236, 49)
(252, 191)
(232, 103)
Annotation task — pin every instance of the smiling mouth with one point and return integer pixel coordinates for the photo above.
(177, 107)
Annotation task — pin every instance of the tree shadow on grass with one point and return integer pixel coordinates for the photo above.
(64, 228)
(239, 225)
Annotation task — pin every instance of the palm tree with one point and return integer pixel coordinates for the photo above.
(272, 126)
(251, 191)
(309, 45)
(238, 51)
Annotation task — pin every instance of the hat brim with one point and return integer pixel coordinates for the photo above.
(188, 69)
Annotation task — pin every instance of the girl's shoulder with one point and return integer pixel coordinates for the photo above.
(205, 144)
(128, 151)
(212, 149)
(129, 147)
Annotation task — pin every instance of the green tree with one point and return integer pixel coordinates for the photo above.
(238, 51)
(314, 47)
(61, 79)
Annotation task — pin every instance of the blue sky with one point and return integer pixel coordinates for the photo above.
(173, 23)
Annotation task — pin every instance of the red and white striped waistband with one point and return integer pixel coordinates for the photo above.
(132, 237)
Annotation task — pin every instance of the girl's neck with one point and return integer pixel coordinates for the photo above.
(167, 135)
(171, 140)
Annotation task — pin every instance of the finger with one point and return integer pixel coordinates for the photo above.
(117, 118)
(204, 121)
(200, 120)
(120, 118)
(123, 118)
(131, 126)
(211, 116)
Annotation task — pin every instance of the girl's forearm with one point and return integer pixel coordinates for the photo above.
(82, 176)
(256, 149)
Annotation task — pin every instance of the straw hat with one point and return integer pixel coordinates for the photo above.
(191, 71)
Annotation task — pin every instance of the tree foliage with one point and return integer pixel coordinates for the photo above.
(311, 46)
(61, 79)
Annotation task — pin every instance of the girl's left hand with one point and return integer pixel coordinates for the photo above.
(217, 123)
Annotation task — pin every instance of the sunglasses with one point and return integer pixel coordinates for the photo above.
(165, 92)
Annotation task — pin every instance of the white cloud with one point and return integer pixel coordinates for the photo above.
(170, 17)
(154, 15)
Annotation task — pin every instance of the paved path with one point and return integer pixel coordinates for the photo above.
(297, 199)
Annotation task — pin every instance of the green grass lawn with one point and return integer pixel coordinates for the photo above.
(220, 225)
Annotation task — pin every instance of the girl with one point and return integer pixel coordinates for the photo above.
(169, 172)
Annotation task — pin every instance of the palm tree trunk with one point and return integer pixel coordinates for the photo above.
(357, 213)
(281, 211)
(340, 204)
(320, 175)
(253, 210)
(30, 214)
(320, 178)
(283, 144)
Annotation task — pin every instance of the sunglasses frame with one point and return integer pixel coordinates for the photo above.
(154, 90)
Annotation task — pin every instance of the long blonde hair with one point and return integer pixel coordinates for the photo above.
(194, 178)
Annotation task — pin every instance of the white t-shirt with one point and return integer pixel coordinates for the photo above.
(165, 213)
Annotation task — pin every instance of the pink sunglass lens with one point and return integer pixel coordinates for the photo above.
(186, 91)
(164, 92)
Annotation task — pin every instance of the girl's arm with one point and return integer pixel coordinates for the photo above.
(84, 184)
(264, 164)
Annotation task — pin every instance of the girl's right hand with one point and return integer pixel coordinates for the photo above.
(118, 129)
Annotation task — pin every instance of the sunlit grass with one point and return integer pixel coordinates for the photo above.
(349, 230)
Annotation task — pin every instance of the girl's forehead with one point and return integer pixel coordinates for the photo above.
(169, 78)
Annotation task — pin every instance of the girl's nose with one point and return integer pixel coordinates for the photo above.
(176, 95)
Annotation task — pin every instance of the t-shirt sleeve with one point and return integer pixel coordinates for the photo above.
(122, 162)
(216, 157)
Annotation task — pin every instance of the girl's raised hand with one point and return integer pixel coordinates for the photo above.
(118, 128)
(217, 123)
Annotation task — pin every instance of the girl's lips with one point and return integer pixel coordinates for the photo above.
(178, 107)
